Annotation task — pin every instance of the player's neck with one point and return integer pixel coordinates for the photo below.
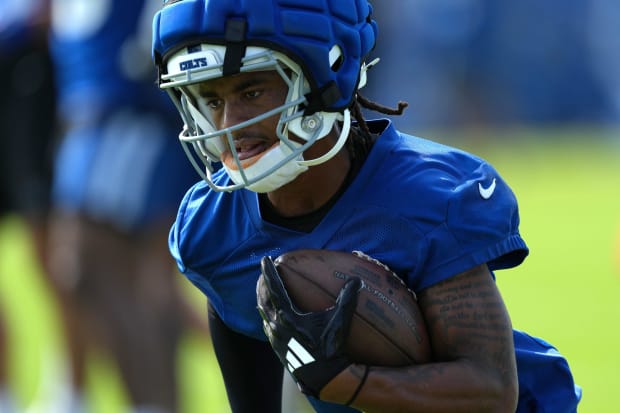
(313, 188)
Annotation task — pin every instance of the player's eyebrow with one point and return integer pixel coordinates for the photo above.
(206, 90)
(246, 84)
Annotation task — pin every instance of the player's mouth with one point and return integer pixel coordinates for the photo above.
(249, 151)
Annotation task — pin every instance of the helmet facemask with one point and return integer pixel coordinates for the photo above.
(204, 144)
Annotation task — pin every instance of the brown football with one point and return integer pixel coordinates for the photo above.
(387, 328)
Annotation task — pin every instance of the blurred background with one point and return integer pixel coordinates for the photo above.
(464, 63)
(533, 87)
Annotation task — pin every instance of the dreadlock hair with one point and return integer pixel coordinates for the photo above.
(362, 139)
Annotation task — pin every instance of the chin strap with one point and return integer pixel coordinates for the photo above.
(342, 139)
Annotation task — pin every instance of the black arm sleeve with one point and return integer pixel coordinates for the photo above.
(251, 370)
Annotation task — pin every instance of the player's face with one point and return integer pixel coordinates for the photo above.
(234, 99)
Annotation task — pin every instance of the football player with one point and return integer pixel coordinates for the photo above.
(119, 177)
(271, 90)
(27, 106)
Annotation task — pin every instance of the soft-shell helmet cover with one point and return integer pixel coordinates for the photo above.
(306, 31)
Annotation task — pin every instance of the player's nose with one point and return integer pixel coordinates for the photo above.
(234, 113)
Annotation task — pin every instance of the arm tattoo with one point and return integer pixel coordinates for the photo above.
(466, 316)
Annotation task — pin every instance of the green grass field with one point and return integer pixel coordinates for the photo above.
(566, 291)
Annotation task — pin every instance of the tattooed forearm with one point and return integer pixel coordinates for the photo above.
(467, 312)
(473, 367)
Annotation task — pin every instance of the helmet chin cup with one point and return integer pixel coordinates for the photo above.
(272, 170)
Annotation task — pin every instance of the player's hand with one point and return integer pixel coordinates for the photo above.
(310, 345)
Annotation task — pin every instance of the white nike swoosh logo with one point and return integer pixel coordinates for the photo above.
(486, 193)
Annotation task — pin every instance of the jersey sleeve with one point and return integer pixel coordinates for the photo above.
(175, 234)
(187, 226)
(481, 226)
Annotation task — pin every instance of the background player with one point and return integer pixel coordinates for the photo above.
(270, 91)
(26, 135)
(119, 176)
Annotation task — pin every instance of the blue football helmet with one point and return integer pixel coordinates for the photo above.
(317, 47)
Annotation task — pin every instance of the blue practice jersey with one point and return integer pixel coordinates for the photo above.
(17, 20)
(119, 160)
(426, 210)
(102, 50)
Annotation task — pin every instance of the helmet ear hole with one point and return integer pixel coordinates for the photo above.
(336, 58)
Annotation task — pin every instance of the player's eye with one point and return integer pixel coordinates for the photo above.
(213, 104)
(253, 94)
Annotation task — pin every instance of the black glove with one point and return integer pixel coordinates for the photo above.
(310, 345)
